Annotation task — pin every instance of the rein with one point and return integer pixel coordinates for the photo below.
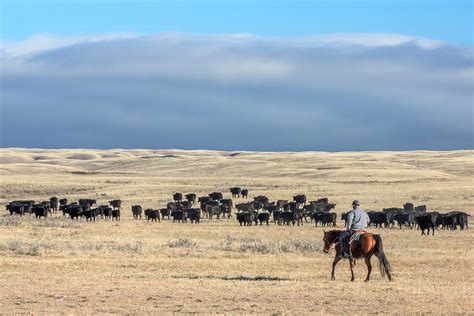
(335, 241)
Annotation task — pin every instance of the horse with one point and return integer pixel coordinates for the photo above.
(368, 245)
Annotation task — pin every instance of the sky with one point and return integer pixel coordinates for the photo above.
(237, 75)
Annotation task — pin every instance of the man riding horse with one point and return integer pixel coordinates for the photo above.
(364, 246)
(357, 220)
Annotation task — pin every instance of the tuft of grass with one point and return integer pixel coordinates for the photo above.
(10, 220)
(255, 245)
(55, 221)
(182, 243)
(130, 247)
(35, 248)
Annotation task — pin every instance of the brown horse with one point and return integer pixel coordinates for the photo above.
(368, 245)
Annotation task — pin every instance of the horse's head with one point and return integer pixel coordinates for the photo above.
(329, 239)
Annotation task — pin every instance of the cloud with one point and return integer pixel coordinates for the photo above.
(237, 91)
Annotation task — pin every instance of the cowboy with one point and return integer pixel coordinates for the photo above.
(357, 219)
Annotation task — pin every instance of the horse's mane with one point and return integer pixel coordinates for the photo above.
(332, 234)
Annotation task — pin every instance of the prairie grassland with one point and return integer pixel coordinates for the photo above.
(55, 265)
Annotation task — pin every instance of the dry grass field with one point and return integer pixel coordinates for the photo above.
(55, 265)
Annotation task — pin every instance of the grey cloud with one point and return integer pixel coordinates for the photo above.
(239, 92)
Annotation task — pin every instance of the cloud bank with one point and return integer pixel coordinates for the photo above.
(237, 92)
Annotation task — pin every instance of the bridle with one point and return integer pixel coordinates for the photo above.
(333, 243)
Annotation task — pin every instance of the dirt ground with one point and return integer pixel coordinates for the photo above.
(56, 265)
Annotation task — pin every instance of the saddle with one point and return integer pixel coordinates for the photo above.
(356, 236)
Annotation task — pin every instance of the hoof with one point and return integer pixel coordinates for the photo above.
(352, 280)
(333, 278)
(366, 280)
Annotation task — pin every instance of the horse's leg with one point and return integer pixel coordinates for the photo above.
(369, 267)
(336, 260)
(352, 264)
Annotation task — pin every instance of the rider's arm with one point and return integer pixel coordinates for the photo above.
(350, 219)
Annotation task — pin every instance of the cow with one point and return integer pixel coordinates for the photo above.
(344, 218)
(74, 211)
(89, 214)
(177, 197)
(300, 199)
(178, 215)
(151, 214)
(245, 218)
(204, 199)
(216, 196)
(105, 211)
(326, 219)
(116, 214)
(261, 198)
(323, 205)
(16, 208)
(165, 212)
(462, 219)
(47, 205)
(191, 197)
(235, 191)
(245, 207)
(62, 202)
(421, 208)
(409, 207)
(427, 221)
(226, 209)
(194, 215)
(447, 221)
(263, 218)
(288, 217)
(40, 210)
(277, 217)
(54, 201)
(405, 219)
(379, 219)
(116, 204)
(137, 211)
(244, 193)
(83, 202)
(212, 210)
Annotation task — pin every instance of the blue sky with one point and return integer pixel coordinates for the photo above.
(228, 75)
(449, 21)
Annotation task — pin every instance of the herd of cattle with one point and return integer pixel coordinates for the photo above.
(261, 210)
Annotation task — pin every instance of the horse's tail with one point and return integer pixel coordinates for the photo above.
(384, 265)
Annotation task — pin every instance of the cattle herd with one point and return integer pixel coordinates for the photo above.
(190, 208)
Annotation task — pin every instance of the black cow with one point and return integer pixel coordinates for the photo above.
(263, 217)
(89, 214)
(405, 219)
(194, 215)
(191, 197)
(427, 221)
(74, 211)
(137, 211)
(409, 207)
(323, 205)
(165, 212)
(54, 202)
(421, 208)
(447, 221)
(62, 202)
(262, 199)
(177, 197)
(245, 207)
(213, 210)
(326, 219)
(83, 202)
(244, 193)
(178, 215)
(379, 219)
(235, 191)
(116, 204)
(105, 211)
(245, 218)
(16, 208)
(116, 214)
(216, 196)
(344, 218)
(300, 199)
(40, 210)
(204, 199)
(277, 217)
(226, 209)
(288, 217)
(462, 219)
(153, 215)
